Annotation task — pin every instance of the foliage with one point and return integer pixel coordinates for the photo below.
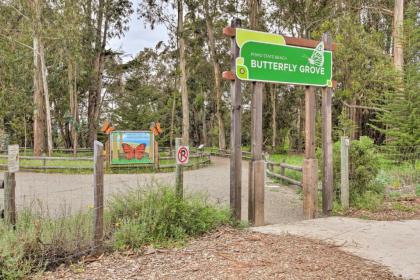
(39, 242)
(363, 169)
(401, 112)
(157, 216)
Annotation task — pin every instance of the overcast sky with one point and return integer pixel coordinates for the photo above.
(138, 37)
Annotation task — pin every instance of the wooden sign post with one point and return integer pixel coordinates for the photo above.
(179, 171)
(263, 57)
(235, 138)
(327, 144)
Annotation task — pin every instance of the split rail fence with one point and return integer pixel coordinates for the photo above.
(271, 167)
(83, 164)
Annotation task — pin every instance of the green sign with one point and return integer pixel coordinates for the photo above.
(264, 57)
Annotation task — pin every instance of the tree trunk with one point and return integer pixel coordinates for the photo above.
(204, 119)
(183, 78)
(217, 77)
(95, 90)
(171, 136)
(42, 114)
(71, 74)
(46, 98)
(39, 104)
(397, 34)
(273, 116)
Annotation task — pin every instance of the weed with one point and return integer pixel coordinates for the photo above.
(158, 217)
(403, 208)
(369, 201)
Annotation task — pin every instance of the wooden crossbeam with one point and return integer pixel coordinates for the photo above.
(291, 41)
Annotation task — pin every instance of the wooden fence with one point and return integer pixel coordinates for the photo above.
(45, 164)
(270, 170)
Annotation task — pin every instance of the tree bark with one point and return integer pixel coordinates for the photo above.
(397, 35)
(217, 77)
(71, 74)
(46, 98)
(273, 116)
(183, 78)
(39, 104)
(94, 99)
(42, 114)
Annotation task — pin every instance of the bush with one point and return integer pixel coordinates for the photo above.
(363, 168)
(157, 216)
(40, 242)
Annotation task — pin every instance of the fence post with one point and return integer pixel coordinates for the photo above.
(345, 192)
(156, 156)
(9, 198)
(44, 162)
(282, 168)
(310, 164)
(98, 195)
(179, 180)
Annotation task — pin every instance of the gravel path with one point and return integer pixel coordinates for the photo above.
(231, 254)
(54, 192)
(395, 244)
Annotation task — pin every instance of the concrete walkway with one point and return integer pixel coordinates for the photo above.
(395, 244)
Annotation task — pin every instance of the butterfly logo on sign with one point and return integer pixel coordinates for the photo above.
(131, 153)
(317, 57)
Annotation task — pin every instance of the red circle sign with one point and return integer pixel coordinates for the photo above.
(183, 154)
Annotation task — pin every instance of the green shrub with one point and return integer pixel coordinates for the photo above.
(363, 169)
(369, 200)
(39, 242)
(157, 216)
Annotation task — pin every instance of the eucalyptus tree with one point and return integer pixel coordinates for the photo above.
(161, 12)
(104, 19)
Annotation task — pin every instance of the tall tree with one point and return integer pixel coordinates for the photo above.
(397, 34)
(42, 114)
(105, 19)
(209, 17)
(183, 77)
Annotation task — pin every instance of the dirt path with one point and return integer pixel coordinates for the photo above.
(395, 244)
(53, 191)
(232, 254)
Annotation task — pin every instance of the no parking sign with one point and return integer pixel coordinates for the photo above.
(182, 155)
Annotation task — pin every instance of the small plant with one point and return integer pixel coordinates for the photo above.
(157, 216)
(368, 201)
(39, 242)
(364, 169)
(418, 189)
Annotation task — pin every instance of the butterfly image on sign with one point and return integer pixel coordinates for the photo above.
(317, 57)
(131, 147)
(130, 152)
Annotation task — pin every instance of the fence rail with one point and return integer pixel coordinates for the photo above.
(44, 163)
(270, 166)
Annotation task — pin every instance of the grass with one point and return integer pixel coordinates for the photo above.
(158, 217)
(152, 216)
(40, 242)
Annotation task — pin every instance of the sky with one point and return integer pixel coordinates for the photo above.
(138, 36)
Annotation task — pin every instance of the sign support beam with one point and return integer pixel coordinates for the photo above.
(235, 139)
(256, 165)
(310, 163)
(327, 145)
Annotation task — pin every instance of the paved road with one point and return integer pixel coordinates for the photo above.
(55, 192)
(395, 244)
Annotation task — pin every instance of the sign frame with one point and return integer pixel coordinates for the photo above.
(183, 148)
(13, 158)
(113, 147)
(328, 82)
